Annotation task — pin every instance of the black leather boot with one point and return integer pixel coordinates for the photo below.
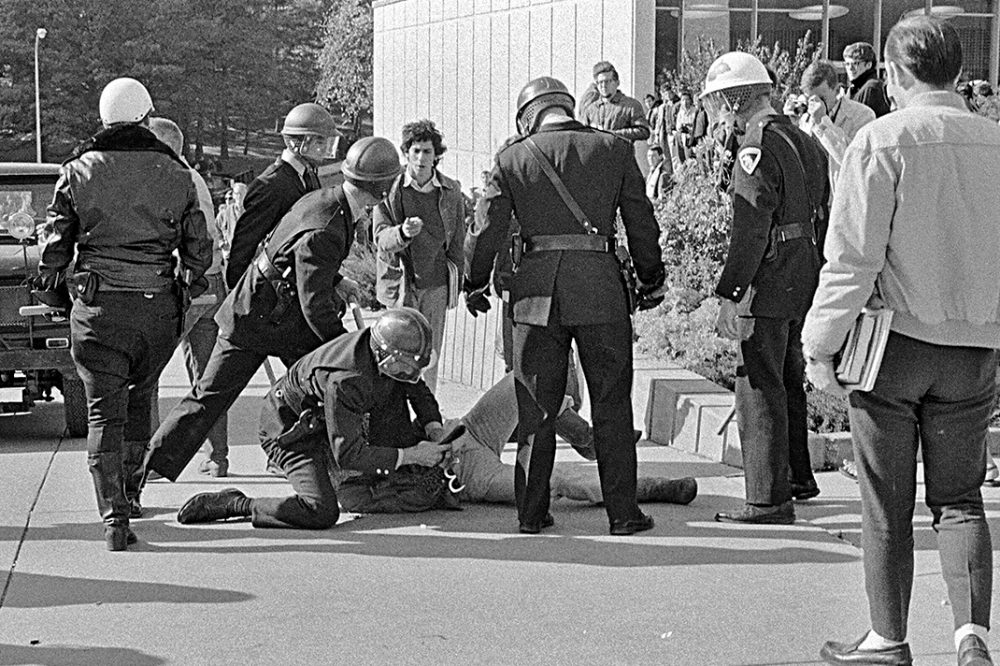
(574, 429)
(109, 486)
(208, 507)
(132, 470)
(671, 491)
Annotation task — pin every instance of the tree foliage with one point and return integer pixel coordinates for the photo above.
(214, 66)
(345, 63)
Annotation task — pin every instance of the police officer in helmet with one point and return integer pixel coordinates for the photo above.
(311, 137)
(321, 405)
(287, 303)
(567, 287)
(124, 203)
(779, 188)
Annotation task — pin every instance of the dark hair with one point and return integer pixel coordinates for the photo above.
(656, 149)
(818, 73)
(860, 51)
(650, 96)
(423, 130)
(928, 47)
(604, 67)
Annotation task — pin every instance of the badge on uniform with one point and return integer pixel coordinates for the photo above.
(749, 158)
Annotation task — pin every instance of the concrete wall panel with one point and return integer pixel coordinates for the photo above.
(462, 63)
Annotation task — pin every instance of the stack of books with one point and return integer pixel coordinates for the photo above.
(861, 356)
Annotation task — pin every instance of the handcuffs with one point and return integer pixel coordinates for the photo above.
(449, 472)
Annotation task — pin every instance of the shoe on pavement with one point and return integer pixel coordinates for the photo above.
(805, 491)
(751, 514)
(119, 537)
(850, 653)
(850, 470)
(214, 468)
(208, 507)
(973, 652)
(536, 527)
(631, 526)
(134, 507)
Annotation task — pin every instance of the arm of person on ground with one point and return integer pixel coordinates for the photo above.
(318, 255)
(855, 248)
(488, 233)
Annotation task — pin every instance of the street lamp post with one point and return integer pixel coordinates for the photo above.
(39, 36)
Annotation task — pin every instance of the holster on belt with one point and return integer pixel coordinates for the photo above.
(83, 286)
(310, 423)
(284, 290)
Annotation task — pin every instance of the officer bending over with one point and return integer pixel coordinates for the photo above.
(367, 379)
(289, 302)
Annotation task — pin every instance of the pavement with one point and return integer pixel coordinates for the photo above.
(432, 588)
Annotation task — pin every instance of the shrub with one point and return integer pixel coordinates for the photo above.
(360, 267)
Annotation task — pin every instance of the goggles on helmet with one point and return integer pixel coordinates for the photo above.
(404, 366)
(317, 147)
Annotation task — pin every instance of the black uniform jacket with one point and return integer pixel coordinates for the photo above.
(307, 248)
(769, 189)
(124, 202)
(342, 376)
(269, 196)
(600, 171)
(869, 90)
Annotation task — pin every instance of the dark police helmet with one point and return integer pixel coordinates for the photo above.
(537, 95)
(402, 343)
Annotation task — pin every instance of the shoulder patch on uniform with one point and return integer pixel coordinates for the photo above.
(749, 158)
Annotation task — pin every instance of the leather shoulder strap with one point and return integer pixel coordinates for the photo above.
(802, 167)
(564, 194)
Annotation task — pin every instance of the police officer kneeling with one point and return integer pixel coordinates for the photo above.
(321, 406)
(566, 287)
(780, 188)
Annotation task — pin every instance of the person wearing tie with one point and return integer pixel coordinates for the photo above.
(311, 136)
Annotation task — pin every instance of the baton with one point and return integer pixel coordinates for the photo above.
(359, 321)
(270, 372)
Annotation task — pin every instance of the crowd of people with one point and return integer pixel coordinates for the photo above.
(844, 206)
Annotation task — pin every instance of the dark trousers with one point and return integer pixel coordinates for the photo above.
(177, 440)
(306, 465)
(940, 397)
(120, 343)
(540, 357)
(771, 409)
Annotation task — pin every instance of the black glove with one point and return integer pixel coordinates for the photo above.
(651, 294)
(52, 293)
(478, 301)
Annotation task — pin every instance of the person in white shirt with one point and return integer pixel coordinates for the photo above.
(832, 119)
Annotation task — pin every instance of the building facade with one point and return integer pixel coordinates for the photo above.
(461, 63)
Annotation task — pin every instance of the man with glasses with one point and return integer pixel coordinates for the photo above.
(351, 399)
(866, 87)
(613, 110)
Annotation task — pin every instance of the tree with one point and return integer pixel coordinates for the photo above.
(345, 63)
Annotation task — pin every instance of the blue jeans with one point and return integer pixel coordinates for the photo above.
(940, 398)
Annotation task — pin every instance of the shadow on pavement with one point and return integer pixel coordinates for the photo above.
(28, 590)
(67, 655)
(489, 533)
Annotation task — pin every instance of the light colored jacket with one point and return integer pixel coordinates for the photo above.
(836, 130)
(393, 265)
(916, 213)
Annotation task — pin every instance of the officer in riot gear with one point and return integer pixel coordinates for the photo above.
(780, 188)
(321, 406)
(288, 302)
(311, 137)
(568, 286)
(124, 203)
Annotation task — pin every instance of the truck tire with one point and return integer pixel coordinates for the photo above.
(74, 405)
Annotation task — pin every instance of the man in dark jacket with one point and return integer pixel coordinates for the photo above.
(352, 397)
(866, 87)
(780, 191)
(567, 287)
(311, 136)
(123, 204)
(288, 302)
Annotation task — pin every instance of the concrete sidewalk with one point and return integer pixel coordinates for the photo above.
(440, 587)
